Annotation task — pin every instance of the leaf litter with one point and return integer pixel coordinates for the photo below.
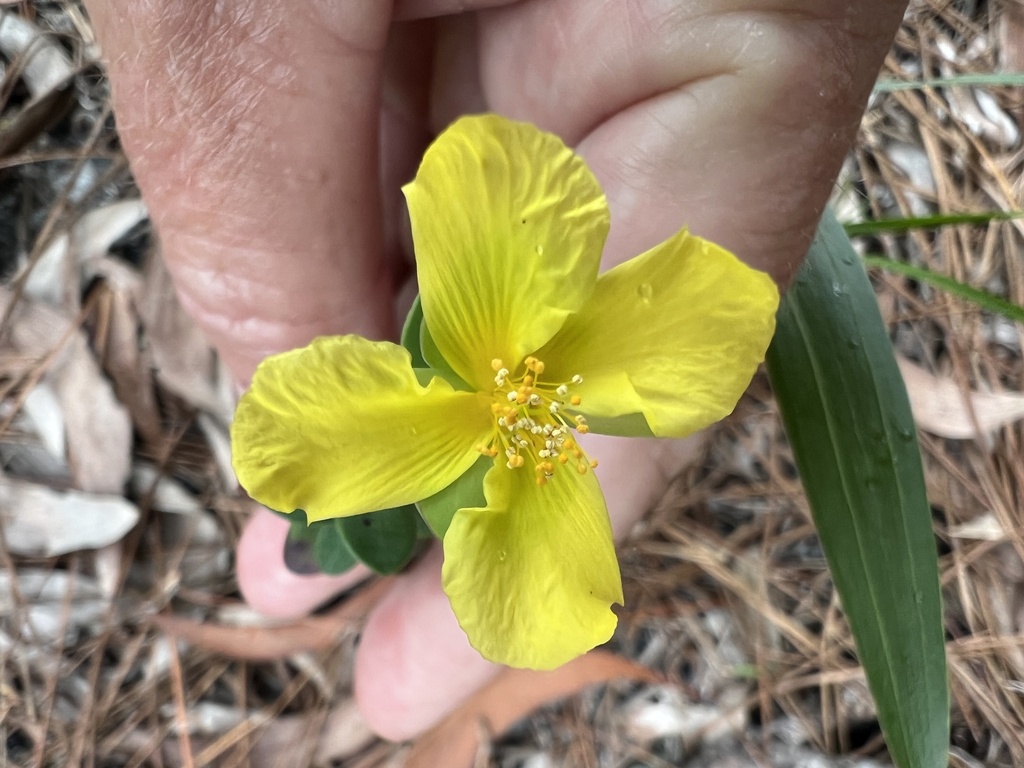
(122, 635)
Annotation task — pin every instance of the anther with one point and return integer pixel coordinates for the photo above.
(511, 396)
(577, 379)
(534, 399)
(562, 390)
(575, 399)
(553, 407)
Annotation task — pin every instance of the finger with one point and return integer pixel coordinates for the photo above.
(422, 9)
(414, 664)
(268, 585)
(733, 122)
(252, 131)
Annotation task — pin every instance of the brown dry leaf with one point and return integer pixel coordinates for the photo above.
(185, 362)
(97, 427)
(341, 734)
(939, 405)
(99, 430)
(41, 522)
(128, 365)
(313, 633)
(514, 694)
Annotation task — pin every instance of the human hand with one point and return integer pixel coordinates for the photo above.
(270, 140)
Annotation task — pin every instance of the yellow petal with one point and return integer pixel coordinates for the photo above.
(675, 334)
(343, 427)
(532, 576)
(508, 226)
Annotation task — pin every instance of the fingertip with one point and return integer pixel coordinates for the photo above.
(414, 664)
(268, 585)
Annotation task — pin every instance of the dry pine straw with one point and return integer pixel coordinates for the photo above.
(727, 592)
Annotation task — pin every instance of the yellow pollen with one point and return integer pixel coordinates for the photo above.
(593, 463)
(531, 426)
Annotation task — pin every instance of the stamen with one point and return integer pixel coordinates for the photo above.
(577, 379)
(562, 390)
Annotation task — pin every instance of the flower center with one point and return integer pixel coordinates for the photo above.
(530, 423)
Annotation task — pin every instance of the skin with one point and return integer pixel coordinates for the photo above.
(270, 140)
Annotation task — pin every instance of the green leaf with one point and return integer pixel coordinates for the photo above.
(465, 493)
(880, 226)
(330, 552)
(627, 425)
(848, 419)
(983, 299)
(410, 338)
(384, 540)
(991, 79)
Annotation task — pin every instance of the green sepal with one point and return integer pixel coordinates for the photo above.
(435, 360)
(330, 552)
(627, 425)
(848, 419)
(298, 526)
(384, 541)
(410, 338)
(465, 493)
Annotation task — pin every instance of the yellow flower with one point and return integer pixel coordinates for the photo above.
(508, 226)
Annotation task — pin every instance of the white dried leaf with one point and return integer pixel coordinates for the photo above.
(41, 522)
(55, 603)
(940, 406)
(47, 66)
(985, 527)
(668, 713)
(53, 274)
(913, 163)
(42, 407)
(165, 494)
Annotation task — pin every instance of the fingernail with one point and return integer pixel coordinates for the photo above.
(298, 557)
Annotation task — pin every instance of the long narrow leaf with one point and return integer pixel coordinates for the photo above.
(983, 299)
(879, 226)
(848, 419)
(987, 79)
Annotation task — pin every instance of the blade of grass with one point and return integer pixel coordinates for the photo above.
(848, 419)
(983, 299)
(989, 79)
(880, 226)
